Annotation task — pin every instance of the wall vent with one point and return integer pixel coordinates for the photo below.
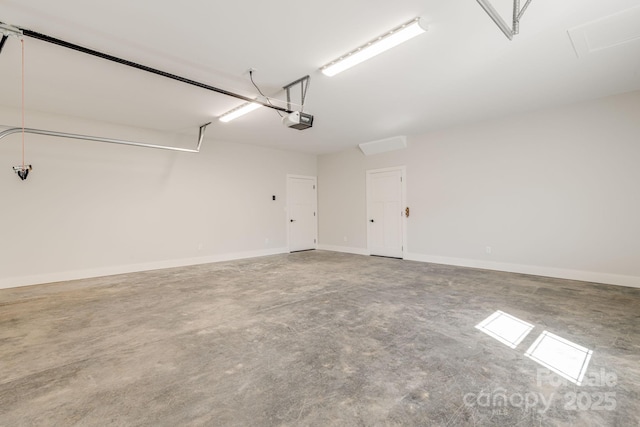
(383, 145)
(605, 33)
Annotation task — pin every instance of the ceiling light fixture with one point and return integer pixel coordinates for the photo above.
(239, 111)
(375, 47)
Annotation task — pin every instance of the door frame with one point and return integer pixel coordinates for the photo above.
(288, 208)
(403, 196)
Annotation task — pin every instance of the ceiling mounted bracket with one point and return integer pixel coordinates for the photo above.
(2, 42)
(10, 30)
(504, 27)
(304, 85)
(7, 31)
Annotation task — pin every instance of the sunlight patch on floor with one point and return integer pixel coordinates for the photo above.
(505, 328)
(563, 357)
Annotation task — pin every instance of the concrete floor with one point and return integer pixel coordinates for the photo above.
(313, 338)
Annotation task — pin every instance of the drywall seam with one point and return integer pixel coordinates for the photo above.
(14, 282)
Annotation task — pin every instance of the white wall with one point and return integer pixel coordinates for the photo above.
(90, 209)
(553, 192)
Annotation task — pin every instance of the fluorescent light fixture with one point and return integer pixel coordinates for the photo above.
(239, 111)
(391, 39)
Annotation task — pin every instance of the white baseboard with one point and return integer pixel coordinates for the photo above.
(62, 276)
(344, 249)
(585, 276)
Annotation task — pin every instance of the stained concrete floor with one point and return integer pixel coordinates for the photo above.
(313, 338)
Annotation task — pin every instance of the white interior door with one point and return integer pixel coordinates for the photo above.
(301, 209)
(385, 212)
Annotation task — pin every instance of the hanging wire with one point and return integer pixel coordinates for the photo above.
(23, 169)
(259, 91)
(22, 45)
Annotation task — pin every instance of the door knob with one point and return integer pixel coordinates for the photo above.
(292, 220)
(371, 220)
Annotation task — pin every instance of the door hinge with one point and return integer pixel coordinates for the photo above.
(314, 187)
(400, 179)
(314, 240)
(314, 214)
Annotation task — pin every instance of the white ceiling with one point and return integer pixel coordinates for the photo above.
(463, 69)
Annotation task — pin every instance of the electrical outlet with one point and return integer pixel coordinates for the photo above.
(345, 238)
(266, 240)
(487, 249)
